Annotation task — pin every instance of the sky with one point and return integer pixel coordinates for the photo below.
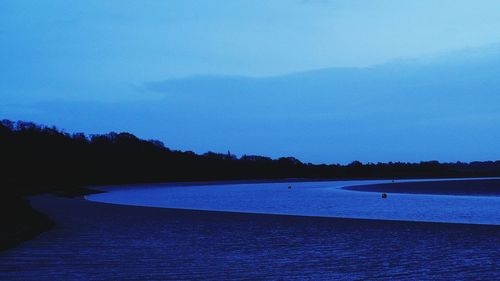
(324, 81)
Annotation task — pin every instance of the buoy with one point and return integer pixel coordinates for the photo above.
(289, 187)
(384, 195)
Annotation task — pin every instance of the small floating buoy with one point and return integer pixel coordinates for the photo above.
(384, 195)
(289, 187)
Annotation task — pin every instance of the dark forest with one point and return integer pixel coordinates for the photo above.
(38, 158)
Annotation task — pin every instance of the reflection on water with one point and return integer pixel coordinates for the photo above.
(312, 199)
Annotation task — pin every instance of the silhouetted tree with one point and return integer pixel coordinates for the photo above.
(38, 158)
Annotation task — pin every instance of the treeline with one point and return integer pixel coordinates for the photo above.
(36, 158)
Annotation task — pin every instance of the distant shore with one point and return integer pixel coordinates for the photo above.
(481, 187)
(110, 187)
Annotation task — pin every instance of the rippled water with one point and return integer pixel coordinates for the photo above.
(100, 241)
(96, 241)
(325, 199)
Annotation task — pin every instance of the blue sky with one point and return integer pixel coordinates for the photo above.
(325, 81)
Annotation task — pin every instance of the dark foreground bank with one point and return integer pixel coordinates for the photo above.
(489, 187)
(19, 221)
(95, 241)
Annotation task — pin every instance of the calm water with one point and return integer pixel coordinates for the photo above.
(100, 241)
(325, 199)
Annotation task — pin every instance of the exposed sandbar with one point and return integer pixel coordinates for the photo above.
(486, 187)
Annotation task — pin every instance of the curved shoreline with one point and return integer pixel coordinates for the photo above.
(294, 217)
(330, 200)
(47, 204)
(476, 187)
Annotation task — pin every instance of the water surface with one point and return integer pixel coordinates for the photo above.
(324, 199)
(98, 241)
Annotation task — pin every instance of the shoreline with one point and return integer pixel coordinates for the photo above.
(284, 212)
(109, 187)
(294, 217)
(466, 187)
(43, 202)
